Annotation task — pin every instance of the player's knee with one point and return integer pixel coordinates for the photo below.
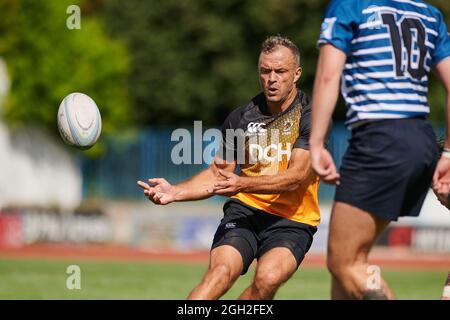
(268, 280)
(221, 272)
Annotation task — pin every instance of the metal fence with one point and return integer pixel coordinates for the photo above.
(148, 154)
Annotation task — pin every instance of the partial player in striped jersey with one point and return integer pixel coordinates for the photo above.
(381, 53)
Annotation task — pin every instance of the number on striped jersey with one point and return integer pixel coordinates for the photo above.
(410, 50)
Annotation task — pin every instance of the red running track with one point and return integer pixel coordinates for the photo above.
(388, 258)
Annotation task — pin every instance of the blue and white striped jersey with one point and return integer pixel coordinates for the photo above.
(391, 46)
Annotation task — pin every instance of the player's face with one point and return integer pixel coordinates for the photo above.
(278, 73)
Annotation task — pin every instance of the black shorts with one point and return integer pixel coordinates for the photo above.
(388, 167)
(253, 232)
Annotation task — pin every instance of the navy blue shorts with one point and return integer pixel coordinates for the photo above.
(254, 232)
(388, 167)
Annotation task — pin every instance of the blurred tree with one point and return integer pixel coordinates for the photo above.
(190, 59)
(46, 61)
(197, 59)
(436, 93)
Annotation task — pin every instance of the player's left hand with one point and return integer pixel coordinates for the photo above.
(231, 185)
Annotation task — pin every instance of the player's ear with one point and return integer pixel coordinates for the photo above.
(298, 74)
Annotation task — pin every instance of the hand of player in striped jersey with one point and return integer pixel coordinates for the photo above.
(441, 181)
(322, 162)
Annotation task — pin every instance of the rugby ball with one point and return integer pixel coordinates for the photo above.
(79, 121)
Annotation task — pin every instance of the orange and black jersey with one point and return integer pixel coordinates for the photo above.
(262, 143)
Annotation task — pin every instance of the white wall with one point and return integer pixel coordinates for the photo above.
(35, 170)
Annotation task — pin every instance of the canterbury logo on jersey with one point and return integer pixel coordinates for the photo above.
(255, 127)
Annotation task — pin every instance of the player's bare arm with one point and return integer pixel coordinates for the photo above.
(441, 178)
(160, 191)
(297, 173)
(325, 95)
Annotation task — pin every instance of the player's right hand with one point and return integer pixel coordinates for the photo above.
(323, 164)
(441, 178)
(159, 191)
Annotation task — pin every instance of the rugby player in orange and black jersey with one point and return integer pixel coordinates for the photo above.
(275, 136)
(257, 222)
(273, 210)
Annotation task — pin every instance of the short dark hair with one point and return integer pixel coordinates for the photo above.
(271, 43)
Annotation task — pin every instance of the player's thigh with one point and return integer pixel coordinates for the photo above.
(352, 233)
(228, 257)
(235, 234)
(283, 246)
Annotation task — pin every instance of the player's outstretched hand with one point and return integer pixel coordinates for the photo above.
(441, 179)
(158, 191)
(322, 162)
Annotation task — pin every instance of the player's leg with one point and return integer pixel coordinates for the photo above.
(386, 171)
(233, 250)
(273, 269)
(225, 267)
(337, 290)
(351, 237)
(283, 245)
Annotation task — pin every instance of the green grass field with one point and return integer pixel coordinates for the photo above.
(33, 279)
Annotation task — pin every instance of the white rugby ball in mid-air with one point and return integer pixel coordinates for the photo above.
(79, 120)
